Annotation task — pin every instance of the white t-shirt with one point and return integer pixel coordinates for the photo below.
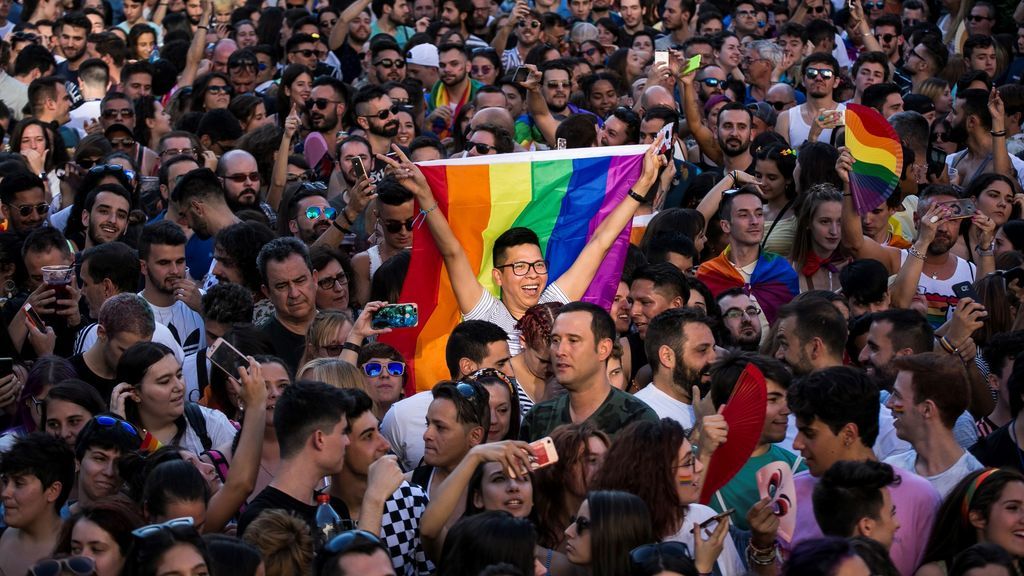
(184, 323)
(161, 335)
(666, 406)
(404, 424)
(943, 481)
(220, 430)
(493, 310)
(88, 111)
(729, 563)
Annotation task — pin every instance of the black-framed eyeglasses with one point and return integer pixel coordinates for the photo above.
(824, 73)
(171, 152)
(328, 282)
(737, 313)
(385, 113)
(395, 226)
(643, 555)
(874, 5)
(306, 53)
(25, 209)
(389, 63)
(817, 9)
(979, 18)
(111, 113)
(780, 106)
(885, 37)
(77, 565)
(481, 148)
(532, 24)
(150, 530)
(376, 369)
(521, 268)
(582, 523)
(314, 212)
(342, 542)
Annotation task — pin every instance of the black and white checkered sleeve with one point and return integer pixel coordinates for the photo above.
(400, 528)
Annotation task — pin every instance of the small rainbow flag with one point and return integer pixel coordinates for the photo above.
(562, 195)
(877, 154)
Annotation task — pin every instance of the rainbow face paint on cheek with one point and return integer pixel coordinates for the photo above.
(898, 409)
(686, 480)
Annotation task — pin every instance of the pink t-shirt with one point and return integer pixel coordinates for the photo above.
(916, 503)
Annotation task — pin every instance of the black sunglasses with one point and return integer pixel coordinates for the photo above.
(712, 82)
(389, 63)
(481, 148)
(385, 113)
(643, 555)
(395, 226)
(320, 103)
(780, 106)
(25, 209)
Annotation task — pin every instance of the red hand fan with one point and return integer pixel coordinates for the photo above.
(744, 413)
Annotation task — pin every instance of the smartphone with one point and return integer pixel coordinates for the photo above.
(661, 57)
(34, 318)
(521, 75)
(6, 367)
(965, 290)
(962, 208)
(1014, 274)
(692, 64)
(358, 168)
(226, 357)
(542, 453)
(560, 144)
(666, 132)
(396, 316)
(716, 518)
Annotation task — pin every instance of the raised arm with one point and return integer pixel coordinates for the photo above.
(538, 107)
(854, 240)
(708, 206)
(279, 175)
(575, 280)
(197, 48)
(245, 461)
(691, 109)
(500, 41)
(464, 283)
(902, 291)
(340, 31)
(863, 29)
(1001, 163)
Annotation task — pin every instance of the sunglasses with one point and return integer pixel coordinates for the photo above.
(328, 23)
(814, 73)
(481, 69)
(780, 106)
(389, 63)
(712, 82)
(648, 553)
(590, 51)
(170, 152)
(147, 531)
(102, 169)
(328, 282)
(885, 37)
(481, 148)
(582, 523)
(123, 112)
(217, 89)
(977, 18)
(25, 209)
(376, 369)
(395, 226)
(307, 53)
(110, 422)
(342, 542)
(553, 85)
(77, 565)
(319, 103)
(532, 24)
(297, 177)
(817, 9)
(126, 141)
(240, 178)
(874, 5)
(385, 113)
(314, 212)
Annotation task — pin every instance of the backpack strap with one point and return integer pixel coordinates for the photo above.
(197, 422)
(220, 463)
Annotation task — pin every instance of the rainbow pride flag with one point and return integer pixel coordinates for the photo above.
(562, 195)
(877, 154)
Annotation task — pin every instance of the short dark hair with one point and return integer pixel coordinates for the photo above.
(242, 242)
(1002, 347)
(734, 106)
(516, 236)
(976, 104)
(471, 410)
(875, 95)
(819, 58)
(44, 239)
(838, 396)
(864, 281)
(725, 206)
(114, 260)
(977, 41)
(42, 88)
(228, 303)
(909, 329)
(670, 242)
(849, 491)
(665, 277)
(278, 250)
(726, 372)
(164, 233)
(817, 318)
(34, 57)
(96, 435)
(46, 457)
(946, 381)
(390, 192)
(470, 339)
(937, 50)
(304, 407)
(889, 20)
(19, 181)
(601, 323)
(201, 183)
(668, 329)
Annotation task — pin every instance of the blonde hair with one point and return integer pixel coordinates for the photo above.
(284, 542)
(322, 331)
(933, 88)
(333, 371)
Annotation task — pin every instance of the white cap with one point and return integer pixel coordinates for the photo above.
(423, 55)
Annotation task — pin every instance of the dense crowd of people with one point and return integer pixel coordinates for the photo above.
(205, 205)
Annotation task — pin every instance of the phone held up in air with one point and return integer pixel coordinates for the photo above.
(962, 208)
(396, 316)
(226, 357)
(358, 168)
(521, 75)
(542, 453)
(965, 290)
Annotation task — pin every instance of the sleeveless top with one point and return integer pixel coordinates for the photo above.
(374, 253)
(939, 293)
(799, 130)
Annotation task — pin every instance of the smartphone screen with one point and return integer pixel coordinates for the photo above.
(226, 357)
(395, 316)
(34, 318)
(522, 73)
(358, 168)
(6, 366)
(661, 57)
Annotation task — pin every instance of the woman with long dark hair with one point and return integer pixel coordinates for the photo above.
(102, 531)
(817, 254)
(172, 547)
(68, 407)
(607, 526)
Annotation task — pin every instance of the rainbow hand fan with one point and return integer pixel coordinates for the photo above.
(877, 154)
(745, 414)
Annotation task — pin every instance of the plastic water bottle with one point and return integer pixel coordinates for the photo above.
(328, 523)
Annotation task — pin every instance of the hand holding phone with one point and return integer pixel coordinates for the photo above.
(226, 357)
(358, 168)
(395, 316)
(33, 318)
(542, 453)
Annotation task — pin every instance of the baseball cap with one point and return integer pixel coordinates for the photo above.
(423, 55)
(765, 111)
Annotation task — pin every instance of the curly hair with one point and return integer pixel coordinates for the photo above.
(283, 540)
(536, 323)
(652, 478)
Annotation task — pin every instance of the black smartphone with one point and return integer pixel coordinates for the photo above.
(6, 367)
(1014, 274)
(522, 73)
(395, 316)
(965, 290)
(358, 168)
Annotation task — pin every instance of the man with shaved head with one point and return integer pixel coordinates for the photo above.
(655, 96)
(240, 177)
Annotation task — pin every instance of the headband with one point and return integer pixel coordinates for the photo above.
(965, 510)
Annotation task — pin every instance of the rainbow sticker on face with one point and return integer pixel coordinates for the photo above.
(898, 409)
